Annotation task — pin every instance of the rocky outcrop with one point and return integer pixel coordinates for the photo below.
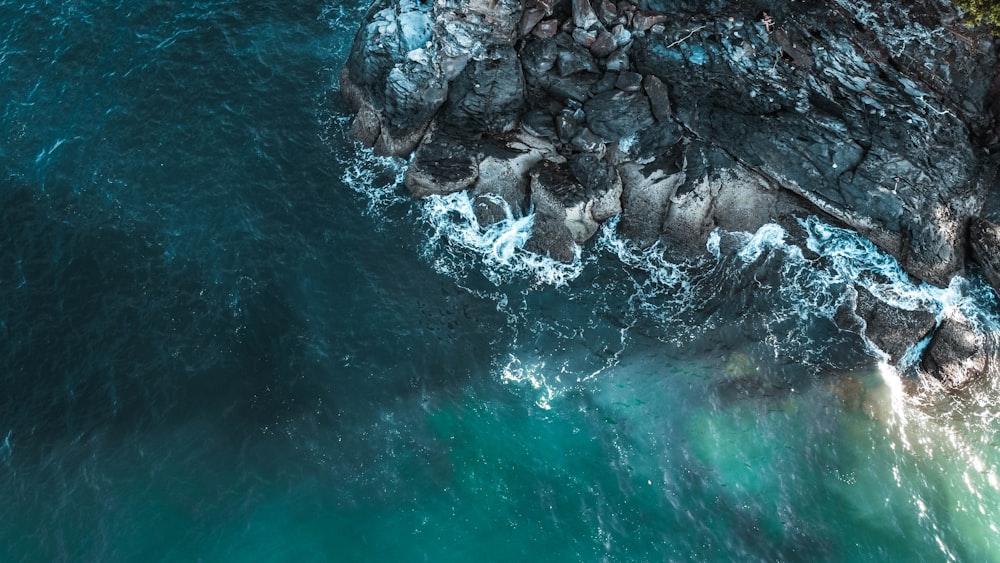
(984, 238)
(958, 353)
(686, 116)
(892, 330)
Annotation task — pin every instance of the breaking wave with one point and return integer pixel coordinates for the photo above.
(457, 241)
(772, 293)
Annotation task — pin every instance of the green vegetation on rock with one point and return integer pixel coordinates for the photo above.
(981, 11)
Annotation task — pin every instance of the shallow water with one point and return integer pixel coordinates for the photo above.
(226, 334)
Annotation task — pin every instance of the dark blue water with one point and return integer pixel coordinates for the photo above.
(225, 335)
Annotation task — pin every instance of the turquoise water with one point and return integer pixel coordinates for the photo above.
(227, 335)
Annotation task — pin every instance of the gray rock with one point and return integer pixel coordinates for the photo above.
(646, 196)
(584, 16)
(531, 18)
(607, 12)
(721, 193)
(540, 124)
(573, 58)
(604, 44)
(629, 82)
(659, 98)
(546, 29)
(892, 330)
(589, 142)
(598, 178)
(502, 183)
(984, 238)
(444, 163)
(615, 114)
(538, 56)
(958, 354)
(488, 97)
(567, 214)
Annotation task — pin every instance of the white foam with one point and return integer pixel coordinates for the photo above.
(377, 178)
(456, 233)
(532, 375)
(768, 237)
(857, 260)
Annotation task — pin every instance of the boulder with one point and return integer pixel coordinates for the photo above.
(488, 96)
(446, 162)
(958, 354)
(567, 213)
(720, 193)
(892, 330)
(647, 191)
(501, 187)
(584, 16)
(616, 114)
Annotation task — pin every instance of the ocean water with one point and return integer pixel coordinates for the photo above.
(227, 334)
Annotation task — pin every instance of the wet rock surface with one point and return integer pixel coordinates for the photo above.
(984, 238)
(683, 117)
(958, 353)
(893, 330)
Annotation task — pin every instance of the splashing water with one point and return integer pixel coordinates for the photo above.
(456, 237)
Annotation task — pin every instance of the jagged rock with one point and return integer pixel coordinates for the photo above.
(488, 97)
(573, 57)
(576, 88)
(892, 330)
(531, 18)
(607, 12)
(566, 212)
(629, 82)
(603, 45)
(502, 183)
(643, 20)
(615, 114)
(619, 60)
(659, 98)
(584, 16)
(589, 142)
(538, 56)
(569, 123)
(957, 354)
(984, 238)
(646, 200)
(584, 38)
(546, 29)
(444, 163)
(720, 193)
(540, 124)
(598, 177)
(606, 83)
(890, 157)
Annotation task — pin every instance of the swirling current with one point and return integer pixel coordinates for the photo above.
(227, 334)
